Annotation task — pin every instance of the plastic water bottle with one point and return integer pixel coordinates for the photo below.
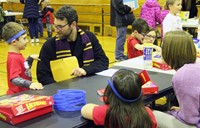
(148, 51)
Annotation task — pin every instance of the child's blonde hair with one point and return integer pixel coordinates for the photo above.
(11, 29)
(169, 2)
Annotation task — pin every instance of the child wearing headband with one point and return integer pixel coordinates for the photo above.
(18, 69)
(123, 106)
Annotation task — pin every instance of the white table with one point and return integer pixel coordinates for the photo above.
(13, 13)
(138, 63)
(190, 23)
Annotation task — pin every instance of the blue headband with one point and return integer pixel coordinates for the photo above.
(119, 96)
(16, 36)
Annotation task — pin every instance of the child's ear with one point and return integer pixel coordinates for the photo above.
(169, 6)
(14, 42)
(135, 31)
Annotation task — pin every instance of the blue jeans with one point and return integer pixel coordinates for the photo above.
(48, 27)
(120, 40)
(40, 25)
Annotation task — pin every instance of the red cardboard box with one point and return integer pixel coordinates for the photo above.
(148, 87)
(157, 63)
(161, 65)
(24, 107)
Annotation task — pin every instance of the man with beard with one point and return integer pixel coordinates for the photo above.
(70, 41)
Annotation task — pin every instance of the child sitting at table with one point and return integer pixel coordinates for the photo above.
(123, 106)
(172, 21)
(138, 37)
(179, 52)
(18, 69)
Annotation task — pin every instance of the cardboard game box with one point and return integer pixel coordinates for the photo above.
(148, 87)
(24, 107)
(157, 63)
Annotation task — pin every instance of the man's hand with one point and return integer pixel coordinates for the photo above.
(35, 57)
(175, 108)
(79, 72)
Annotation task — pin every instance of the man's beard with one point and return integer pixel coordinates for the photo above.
(65, 36)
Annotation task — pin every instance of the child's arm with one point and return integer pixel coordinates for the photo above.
(18, 81)
(141, 47)
(87, 111)
(157, 48)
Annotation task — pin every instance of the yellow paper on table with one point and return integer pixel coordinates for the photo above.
(184, 15)
(62, 68)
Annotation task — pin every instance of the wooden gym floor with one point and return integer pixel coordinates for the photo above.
(107, 42)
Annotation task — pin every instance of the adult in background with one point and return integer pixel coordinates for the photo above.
(31, 13)
(121, 16)
(70, 41)
(190, 5)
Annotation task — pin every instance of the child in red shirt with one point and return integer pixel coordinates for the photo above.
(18, 69)
(123, 107)
(139, 36)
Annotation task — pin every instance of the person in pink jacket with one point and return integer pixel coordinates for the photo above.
(152, 12)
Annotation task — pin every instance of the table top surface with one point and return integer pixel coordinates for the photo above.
(90, 84)
(190, 23)
(13, 13)
(138, 63)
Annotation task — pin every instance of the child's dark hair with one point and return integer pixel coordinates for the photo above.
(11, 29)
(67, 12)
(140, 25)
(127, 111)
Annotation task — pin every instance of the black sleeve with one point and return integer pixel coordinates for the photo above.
(22, 1)
(120, 7)
(47, 53)
(51, 10)
(30, 61)
(101, 61)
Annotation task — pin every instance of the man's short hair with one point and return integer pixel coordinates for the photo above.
(68, 13)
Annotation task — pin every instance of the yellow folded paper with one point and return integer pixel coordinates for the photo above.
(62, 68)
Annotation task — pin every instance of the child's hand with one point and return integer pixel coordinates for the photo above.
(158, 49)
(175, 108)
(36, 86)
(35, 57)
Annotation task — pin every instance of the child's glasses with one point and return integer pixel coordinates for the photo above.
(143, 34)
(149, 36)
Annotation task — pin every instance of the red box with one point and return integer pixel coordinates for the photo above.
(24, 107)
(160, 65)
(148, 86)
